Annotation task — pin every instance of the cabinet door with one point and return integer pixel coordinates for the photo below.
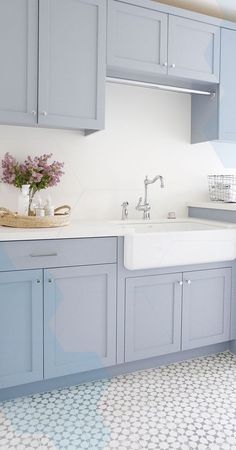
(206, 307)
(21, 327)
(153, 316)
(137, 39)
(227, 100)
(193, 49)
(80, 319)
(72, 59)
(18, 55)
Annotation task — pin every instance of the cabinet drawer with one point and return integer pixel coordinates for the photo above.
(57, 253)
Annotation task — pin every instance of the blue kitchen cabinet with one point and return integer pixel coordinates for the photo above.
(152, 316)
(137, 39)
(21, 327)
(206, 307)
(19, 56)
(214, 118)
(72, 63)
(143, 43)
(79, 319)
(193, 49)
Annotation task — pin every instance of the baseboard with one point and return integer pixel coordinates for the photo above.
(107, 373)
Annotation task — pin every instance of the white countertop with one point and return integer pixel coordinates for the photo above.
(77, 229)
(213, 205)
(86, 229)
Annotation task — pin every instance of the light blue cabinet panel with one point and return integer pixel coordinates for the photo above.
(72, 59)
(21, 327)
(152, 316)
(193, 49)
(206, 307)
(79, 319)
(57, 253)
(137, 39)
(227, 99)
(214, 118)
(19, 56)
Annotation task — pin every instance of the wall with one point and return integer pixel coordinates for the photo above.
(225, 9)
(147, 132)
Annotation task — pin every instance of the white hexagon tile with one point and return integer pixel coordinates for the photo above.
(188, 405)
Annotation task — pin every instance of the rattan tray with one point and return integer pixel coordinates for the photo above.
(14, 220)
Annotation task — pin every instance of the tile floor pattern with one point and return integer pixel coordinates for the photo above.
(189, 405)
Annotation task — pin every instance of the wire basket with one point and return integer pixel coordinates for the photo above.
(222, 188)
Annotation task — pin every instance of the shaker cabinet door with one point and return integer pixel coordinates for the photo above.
(72, 58)
(206, 307)
(193, 49)
(79, 319)
(153, 316)
(18, 56)
(137, 39)
(21, 327)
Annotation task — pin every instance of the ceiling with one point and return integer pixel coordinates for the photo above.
(225, 9)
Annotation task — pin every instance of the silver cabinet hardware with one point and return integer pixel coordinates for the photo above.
(43, 255)
(44, 113)
(180, 283)
(33, 113)
(188, 282)
(173, 66)
(50, 280)
(165, 64)
(38, 281)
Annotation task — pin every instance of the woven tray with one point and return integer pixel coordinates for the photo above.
(60, 219)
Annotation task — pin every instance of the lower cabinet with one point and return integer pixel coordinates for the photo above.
(79, 319)
(160, 309)
(206, 307)
(153, 316)
(21, 327)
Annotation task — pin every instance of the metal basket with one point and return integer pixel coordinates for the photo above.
(222, 188)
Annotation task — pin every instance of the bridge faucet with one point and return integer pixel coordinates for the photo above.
(145, 207)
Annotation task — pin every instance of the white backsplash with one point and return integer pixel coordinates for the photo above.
(147, 132)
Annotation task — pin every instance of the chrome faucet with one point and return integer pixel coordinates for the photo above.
(145, 207)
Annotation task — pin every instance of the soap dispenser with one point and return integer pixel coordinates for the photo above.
(23, 200)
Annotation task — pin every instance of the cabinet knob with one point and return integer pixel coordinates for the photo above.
(33, 113)
(165, 64)
(38, 281)
(50, 280)
(180, 283)
(173, 66)
(44, 113)
(188, 282)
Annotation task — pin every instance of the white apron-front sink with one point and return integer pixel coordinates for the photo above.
(176, 243)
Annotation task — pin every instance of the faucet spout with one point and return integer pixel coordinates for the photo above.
(153, 180)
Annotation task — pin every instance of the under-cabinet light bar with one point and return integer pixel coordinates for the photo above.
(157, 86)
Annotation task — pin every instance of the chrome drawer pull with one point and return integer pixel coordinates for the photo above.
(45, 255)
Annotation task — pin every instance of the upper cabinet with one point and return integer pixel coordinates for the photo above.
(140, 43)
(18, 55)
(193, 49)
(214, 118)
(72, 63)
(71, 41)
(137, 39)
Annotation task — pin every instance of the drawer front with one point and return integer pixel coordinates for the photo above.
(57, 253)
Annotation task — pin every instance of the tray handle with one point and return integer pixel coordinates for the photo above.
(66, 208)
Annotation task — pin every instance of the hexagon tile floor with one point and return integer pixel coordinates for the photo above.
(189, 405)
